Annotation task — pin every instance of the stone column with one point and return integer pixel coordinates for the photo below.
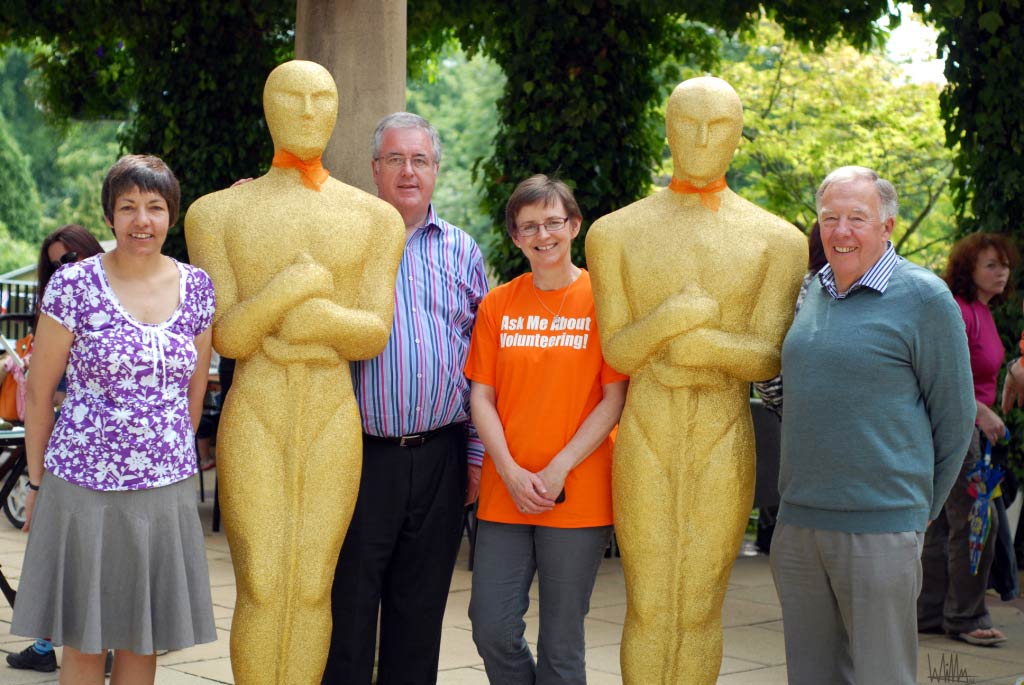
(362, 44)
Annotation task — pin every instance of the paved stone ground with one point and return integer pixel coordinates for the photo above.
(754, 653)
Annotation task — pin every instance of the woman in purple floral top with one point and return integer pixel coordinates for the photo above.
(116, 556)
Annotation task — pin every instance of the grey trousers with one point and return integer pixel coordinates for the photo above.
(566, 561)
(848, 605)
(952, 599)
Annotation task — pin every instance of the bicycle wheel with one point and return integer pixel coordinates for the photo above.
(15, 490)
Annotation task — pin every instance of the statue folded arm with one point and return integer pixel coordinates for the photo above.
(752, 354)
(360, 331)
(240, 326)
(353, 333)
(746, 356)
(627, 344)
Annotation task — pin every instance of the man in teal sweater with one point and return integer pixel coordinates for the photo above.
(879, 412)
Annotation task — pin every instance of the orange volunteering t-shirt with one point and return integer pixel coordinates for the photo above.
(547, 378)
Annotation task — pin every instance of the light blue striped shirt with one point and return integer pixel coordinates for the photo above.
(876, 278)
(416, 384)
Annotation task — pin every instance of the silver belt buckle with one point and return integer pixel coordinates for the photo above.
(410, 440)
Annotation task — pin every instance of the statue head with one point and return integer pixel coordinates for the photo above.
(704, 122)
(300, 102)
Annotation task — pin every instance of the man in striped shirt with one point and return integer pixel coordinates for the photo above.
(405, 532)
(879, 412)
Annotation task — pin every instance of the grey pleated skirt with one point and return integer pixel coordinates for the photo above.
(115, 570)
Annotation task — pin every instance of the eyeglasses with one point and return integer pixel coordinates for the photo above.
(397, 161)
(66, 258)
(552, 224)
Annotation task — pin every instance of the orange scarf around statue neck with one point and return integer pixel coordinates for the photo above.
(312, 170)
(708, 193)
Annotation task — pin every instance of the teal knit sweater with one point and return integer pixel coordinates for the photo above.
(879, 406)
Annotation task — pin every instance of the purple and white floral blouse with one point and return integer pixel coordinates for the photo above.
(125, 424)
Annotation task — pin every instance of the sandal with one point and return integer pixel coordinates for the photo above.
(982, 637)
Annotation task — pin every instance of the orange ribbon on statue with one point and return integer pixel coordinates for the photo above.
(312, 170)
(708, 193)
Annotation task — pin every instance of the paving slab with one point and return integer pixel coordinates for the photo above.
(753, 646)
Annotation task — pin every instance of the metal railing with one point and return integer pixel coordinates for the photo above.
(16, 297)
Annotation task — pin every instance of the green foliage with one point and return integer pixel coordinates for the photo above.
(188, 75)
(984, 109)
(18, 102)
(808, 112)
(582, 85)
(983, 106)
(15, 253)
(577, 102)
(19, 201)
(67, 159)
(83, 155)
(457, 96)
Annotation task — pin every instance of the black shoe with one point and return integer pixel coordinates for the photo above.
(109, 662)
(30, 659)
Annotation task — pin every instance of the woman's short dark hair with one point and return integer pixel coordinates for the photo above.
(75, 239)
(536, 189)
(959, 274)
(147, 173)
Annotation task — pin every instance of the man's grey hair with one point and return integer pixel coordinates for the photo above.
(405, 120)
(886, 192)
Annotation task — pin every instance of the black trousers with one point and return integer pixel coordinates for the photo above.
(398, 557)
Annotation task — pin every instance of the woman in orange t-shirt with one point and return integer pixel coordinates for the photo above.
(544, 402)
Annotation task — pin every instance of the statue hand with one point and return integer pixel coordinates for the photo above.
(297, 322)
(692, 349)
(692, 307)
(309, 278)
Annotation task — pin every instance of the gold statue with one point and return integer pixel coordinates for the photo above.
(304, 268)
(694, 289)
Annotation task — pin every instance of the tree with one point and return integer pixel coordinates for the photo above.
(582, 92)
(457, 96)
(67, 159)
(579, 100)
(983, 107)
(808, 112)
(19, 211)
(186, 75)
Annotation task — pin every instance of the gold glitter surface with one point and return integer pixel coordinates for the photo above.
(693, 304)
(305, 281)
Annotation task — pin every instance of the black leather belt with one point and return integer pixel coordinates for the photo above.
(413, 439)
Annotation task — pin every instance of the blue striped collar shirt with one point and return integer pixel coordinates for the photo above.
(417, 383)
(876, 278)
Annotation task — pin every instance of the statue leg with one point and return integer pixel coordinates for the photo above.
(290, 481)
(680, 517)
(718, 501)
(254, 506)
(644, 530)
(326, 487)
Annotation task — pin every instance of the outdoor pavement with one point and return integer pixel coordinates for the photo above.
(754, 652)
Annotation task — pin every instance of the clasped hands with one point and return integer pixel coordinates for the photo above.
(533, 493)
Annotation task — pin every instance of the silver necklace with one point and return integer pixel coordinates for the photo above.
(557, 315)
